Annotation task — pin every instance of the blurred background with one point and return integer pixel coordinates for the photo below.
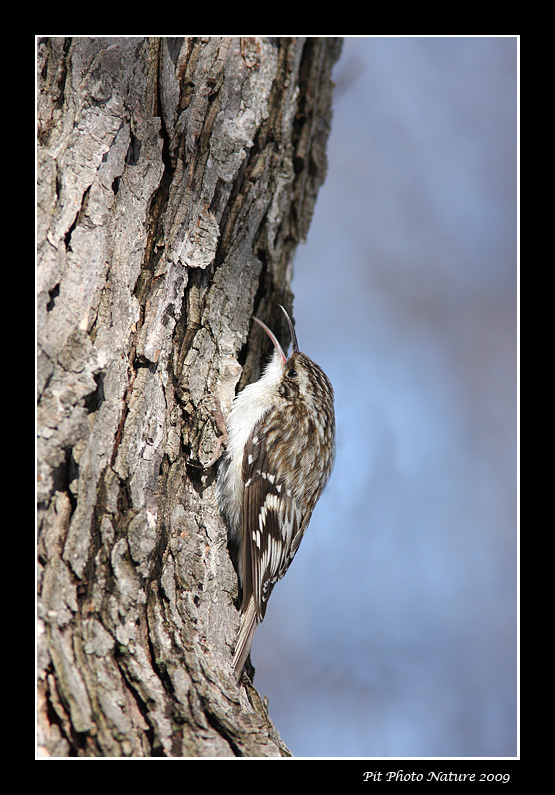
(394, 632)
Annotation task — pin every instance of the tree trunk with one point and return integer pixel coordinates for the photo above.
(175, 179)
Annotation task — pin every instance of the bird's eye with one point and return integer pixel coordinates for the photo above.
(292, 373)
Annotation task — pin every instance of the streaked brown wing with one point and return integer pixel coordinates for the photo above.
(270, 523)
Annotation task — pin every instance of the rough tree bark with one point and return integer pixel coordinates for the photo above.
(175, 179)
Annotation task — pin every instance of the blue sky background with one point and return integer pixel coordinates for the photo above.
(394, 633)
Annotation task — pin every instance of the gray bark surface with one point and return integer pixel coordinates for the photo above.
(175, 179)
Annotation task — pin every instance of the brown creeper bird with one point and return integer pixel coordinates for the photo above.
(279, 456)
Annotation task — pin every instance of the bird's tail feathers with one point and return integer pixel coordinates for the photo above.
(249, 622)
